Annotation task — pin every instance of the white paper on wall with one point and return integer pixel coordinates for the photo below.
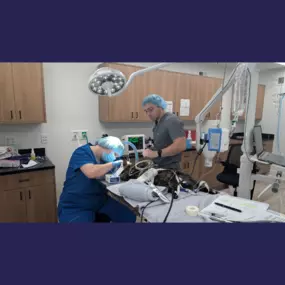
(184, 107)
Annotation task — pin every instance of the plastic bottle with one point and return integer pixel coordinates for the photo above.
(189, 141)
(33, 155)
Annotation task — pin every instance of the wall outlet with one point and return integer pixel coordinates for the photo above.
(280, 80)
(44, 138)
(79, 135)
(10, 141)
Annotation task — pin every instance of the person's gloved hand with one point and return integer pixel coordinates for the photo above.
(117, 163)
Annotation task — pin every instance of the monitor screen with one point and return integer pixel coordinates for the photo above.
(137, 141)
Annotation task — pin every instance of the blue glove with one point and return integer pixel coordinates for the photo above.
(117, 163)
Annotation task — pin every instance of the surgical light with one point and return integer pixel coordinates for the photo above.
(106, 81)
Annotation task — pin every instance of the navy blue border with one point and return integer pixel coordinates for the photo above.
(179, 31)
(141, 253)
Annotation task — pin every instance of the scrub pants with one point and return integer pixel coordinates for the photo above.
(117, 213)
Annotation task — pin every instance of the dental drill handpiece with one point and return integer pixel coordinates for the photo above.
(157, 192)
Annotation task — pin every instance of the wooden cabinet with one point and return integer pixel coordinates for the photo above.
(185, 89)
(124, 108)
(200, 171)
(158, 82)
(209, 174)
(21, 93)
(172, 86)
(7, 100)
(28, 197)
(14, 206)
(260, 102)
(128, 106)
(41, 204)
(188, 161)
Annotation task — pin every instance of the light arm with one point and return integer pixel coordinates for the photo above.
(143, 71)
(217, 97)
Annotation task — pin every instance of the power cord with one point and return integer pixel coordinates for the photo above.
(173, 194)
(143, 209)
(196, 158)
(170, 207)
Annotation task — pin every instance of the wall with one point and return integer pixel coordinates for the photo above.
(270, 117)
(70, 105)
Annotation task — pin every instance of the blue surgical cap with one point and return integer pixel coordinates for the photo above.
(155, 100)
(113, 143)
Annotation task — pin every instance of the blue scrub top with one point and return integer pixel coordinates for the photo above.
(80, 192)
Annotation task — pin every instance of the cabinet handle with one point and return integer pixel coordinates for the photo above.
(20, 114)
(132, 115)
(137, 115)
(12, 115)
(30, 194)
(177, 114)
(24, 180)
(21, 196)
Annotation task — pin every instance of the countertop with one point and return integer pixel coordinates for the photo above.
(42, 165)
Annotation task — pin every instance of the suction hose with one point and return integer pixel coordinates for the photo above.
(134, 149)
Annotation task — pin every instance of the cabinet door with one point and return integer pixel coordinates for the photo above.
(29, 92)
(122, 108)
(210, 86)
(141, 91)
(14, 207)
(7, 99)
(185, 90)
(209, 174)
(199, 90)
(216, 83)
(188, 160)
(200, 94)
(41, 204)
(159, 82)
(260, 102)
(194, 165)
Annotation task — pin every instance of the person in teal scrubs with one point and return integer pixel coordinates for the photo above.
(84, 196)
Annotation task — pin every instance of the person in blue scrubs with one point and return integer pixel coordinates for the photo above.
(84, 197)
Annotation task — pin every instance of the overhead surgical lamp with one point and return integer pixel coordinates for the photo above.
(106, 81)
